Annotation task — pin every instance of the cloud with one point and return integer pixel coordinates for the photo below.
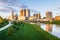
(58, 7)
(4, 10)
(11, 4)
(34, 11)
(55, 9)
(16, 3)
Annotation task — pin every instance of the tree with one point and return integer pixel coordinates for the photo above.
(1, 19)
(10, 31)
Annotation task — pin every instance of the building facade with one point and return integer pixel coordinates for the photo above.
(49, 15)
(27, 13)
(24, 14)
(57, 18)
(37, 16)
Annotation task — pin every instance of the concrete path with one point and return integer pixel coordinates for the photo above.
(6, 26)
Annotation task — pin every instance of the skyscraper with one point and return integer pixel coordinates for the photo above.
(27, 13)
(38, 16)
(48, 15)
(12, 14)
(24, 12)
(11, 17)
(21, 12)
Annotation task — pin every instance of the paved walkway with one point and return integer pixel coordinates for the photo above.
(6, 26)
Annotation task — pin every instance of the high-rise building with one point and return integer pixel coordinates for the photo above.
(27, 13)
(22, 15)
(11, 17)
(38, 16)
(12, 14)
(34, 14)
(21, 12)
(24, 12)
(49, 15)
(16, 16)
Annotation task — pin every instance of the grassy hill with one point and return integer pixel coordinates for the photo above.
(25, 31)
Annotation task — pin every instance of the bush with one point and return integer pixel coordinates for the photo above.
(10, 31)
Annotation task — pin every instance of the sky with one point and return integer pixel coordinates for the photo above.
(35, 6)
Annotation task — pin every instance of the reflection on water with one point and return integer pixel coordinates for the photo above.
(51, 28)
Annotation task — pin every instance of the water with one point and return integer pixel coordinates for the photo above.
(51, 28)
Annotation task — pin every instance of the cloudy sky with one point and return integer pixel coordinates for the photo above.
(34, 5)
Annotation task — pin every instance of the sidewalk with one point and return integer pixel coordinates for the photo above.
(6, 26)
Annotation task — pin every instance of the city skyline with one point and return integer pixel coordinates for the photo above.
(35, 6)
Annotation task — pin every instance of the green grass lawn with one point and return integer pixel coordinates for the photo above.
(25, 31)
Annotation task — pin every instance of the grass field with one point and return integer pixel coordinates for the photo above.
(25, 31)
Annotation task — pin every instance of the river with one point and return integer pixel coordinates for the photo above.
(51, 28)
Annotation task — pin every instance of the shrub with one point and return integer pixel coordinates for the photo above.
(10, 31)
